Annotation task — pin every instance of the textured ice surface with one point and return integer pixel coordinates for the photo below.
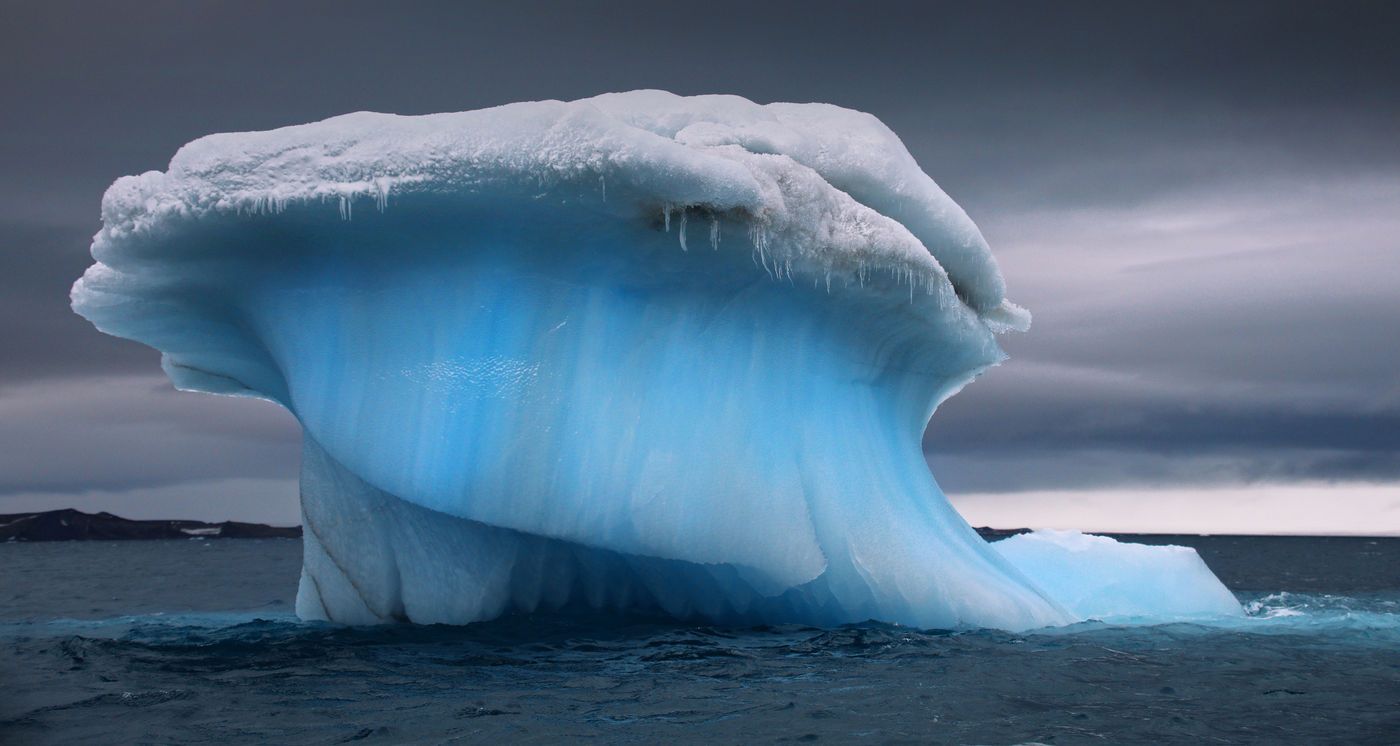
(635, 351)
(1097, 577)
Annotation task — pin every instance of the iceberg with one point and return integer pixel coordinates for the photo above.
(633, 352)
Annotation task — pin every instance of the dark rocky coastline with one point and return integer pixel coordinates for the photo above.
(74, 525)
(997, 534)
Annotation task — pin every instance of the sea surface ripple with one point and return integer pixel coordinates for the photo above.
(227, 662)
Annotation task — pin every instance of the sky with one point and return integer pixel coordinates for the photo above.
(1198, 201)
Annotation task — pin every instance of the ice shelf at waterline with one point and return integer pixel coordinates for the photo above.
(634, 352)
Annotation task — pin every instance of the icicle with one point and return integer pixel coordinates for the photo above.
(758, 236)
(763, 259)
(714, 233)
(667, 212)
(681, 231)
(344, 208)
(603, 183)
(381, 199)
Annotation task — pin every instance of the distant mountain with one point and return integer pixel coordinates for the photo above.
(997, 534)
(75, 525)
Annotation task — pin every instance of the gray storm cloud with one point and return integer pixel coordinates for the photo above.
(1196, 201)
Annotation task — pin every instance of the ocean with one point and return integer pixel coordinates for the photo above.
(195, 642)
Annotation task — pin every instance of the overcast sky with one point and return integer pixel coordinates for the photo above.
(1199, 201)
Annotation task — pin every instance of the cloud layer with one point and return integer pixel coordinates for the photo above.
(1197, 201)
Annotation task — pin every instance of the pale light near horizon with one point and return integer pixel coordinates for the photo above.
(1355, 509)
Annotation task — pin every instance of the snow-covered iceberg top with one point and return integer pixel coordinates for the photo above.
(828, 193)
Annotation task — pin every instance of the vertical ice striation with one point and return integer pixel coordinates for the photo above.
(524, 385)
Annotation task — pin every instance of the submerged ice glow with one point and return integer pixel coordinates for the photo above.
(631, 352)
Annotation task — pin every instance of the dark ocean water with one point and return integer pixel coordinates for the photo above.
(195, 642)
